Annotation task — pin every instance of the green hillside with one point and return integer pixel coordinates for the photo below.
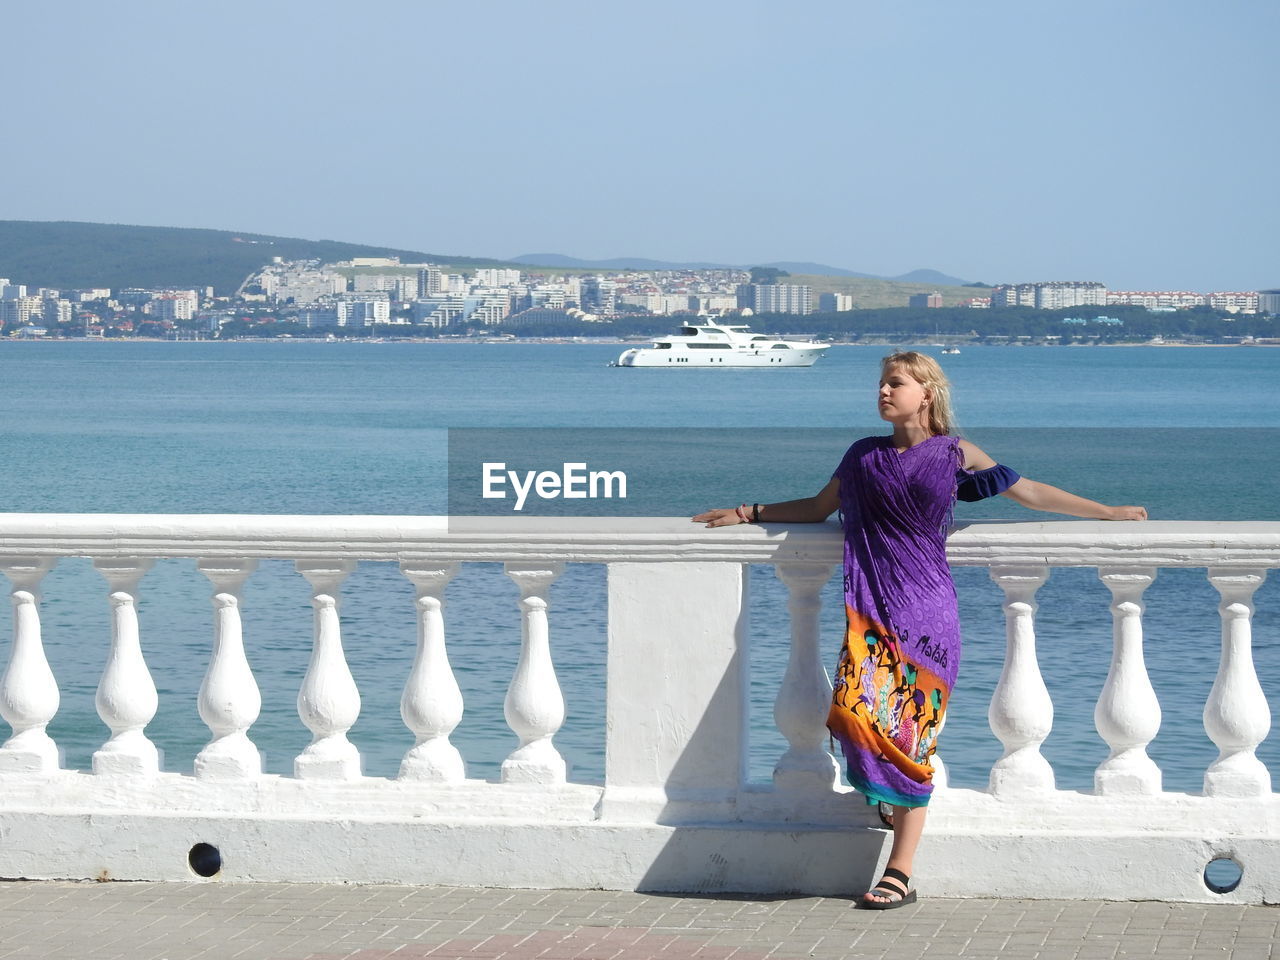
(69, 254)
(871, 293)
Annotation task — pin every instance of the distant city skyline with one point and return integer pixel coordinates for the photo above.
(1128, 144)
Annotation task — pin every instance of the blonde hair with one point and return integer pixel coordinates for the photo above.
(926, 371)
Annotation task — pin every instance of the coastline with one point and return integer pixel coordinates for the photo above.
(608, 341)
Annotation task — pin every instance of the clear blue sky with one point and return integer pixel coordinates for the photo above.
(1000, 140)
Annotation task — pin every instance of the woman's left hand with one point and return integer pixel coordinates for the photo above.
(1127, 513)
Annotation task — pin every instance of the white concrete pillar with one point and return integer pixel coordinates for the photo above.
(28, 693)
(1021, 713)
(229, 699)
(534, 707)
(804, 698)
(1236, 716)
(431, 705)
(1127, 714)
(126, 698)
(328, 701)
(676, 715)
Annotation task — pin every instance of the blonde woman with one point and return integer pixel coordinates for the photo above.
(901, 649)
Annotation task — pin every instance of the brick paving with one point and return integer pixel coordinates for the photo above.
(273, 921)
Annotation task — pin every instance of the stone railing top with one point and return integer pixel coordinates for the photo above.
(1236, 544)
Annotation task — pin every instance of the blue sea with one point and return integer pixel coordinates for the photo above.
(365, 428)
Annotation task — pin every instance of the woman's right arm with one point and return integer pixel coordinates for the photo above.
(813, 509)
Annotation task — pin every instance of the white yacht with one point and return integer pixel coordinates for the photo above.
(722, 345)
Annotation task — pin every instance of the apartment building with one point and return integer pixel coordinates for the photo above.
(776, 297)
(1050, 295)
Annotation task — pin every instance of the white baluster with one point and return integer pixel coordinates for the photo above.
(804, 700)
(328, 702)
(1236, 716)
(1021, 713)
(229, 700)
(534, 706)
(28, 692)
(939, 780)
(126, 698)
(431, 705)
(1127, 714)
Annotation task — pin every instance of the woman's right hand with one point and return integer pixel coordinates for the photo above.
(719, 518)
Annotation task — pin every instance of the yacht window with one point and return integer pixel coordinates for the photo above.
(780, 346)
(707, 346)
(663, 346)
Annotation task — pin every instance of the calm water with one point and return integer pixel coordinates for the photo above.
(361, 428)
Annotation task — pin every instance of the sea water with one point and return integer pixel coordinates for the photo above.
(363, 428)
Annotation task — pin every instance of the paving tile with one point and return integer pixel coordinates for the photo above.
(380, 922)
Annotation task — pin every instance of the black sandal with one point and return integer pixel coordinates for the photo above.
(885, 811)
(893, 884)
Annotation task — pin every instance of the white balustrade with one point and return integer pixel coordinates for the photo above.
(534, 707)
(1127, 713)
(328, 701)
(676, 719)
(1021, 713)
(28, 693)
(1236, 716)
(431, 705)
(127, 698)
(229, 701)
(804, 697)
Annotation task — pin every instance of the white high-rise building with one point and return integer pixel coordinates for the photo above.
(781, 298)
(1050, 295)
(599, 295)
(487, 306)
(401, 286)
(171, 307)
(21, 310)
(430, 280)
(308, 286)
(57, 311)
(364, 313)
(553, 296)
(835, 302)
(438, 311)
(494, 277)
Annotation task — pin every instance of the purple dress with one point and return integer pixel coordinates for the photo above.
(901, 649)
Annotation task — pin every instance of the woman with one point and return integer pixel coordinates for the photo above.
(902, 641)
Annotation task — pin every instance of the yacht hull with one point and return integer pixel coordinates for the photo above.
(650, 357)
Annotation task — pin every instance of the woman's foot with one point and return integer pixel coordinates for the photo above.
(893, 890)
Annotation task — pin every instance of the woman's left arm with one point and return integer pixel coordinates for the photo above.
(1041, 496)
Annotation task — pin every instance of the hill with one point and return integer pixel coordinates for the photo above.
(70, 254)
(876, 293)
(561, 261)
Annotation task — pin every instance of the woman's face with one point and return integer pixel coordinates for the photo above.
(902, 397)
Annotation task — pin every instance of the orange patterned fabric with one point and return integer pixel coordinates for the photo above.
(887, 712)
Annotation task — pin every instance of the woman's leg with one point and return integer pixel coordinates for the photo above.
(908, 825)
